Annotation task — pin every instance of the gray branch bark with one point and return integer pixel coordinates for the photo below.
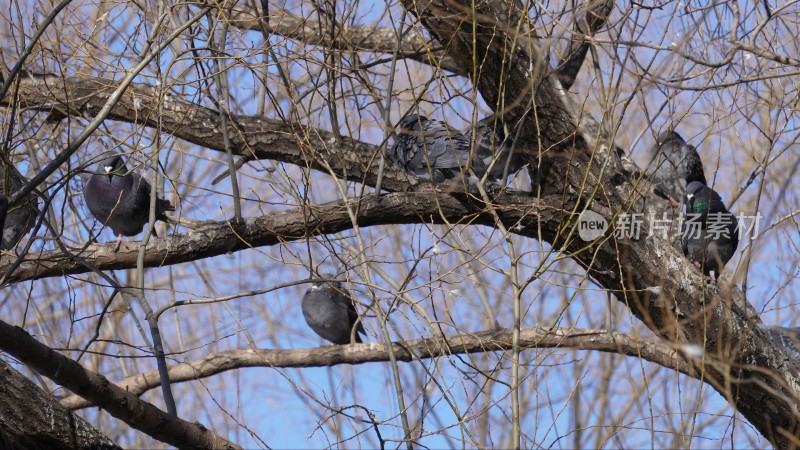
(493, 340)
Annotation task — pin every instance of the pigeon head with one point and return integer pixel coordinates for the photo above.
(410, 127)
(411, 122)
(701, 198)
(321, 285)
(670, 137)
(698, 199)
(694, 189)
(112, 166)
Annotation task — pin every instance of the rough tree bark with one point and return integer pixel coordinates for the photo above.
(33, 419)
(116, 401)
(740, 360)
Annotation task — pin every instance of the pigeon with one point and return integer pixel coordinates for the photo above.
(121, 199)
(3, 211)
(675, 165)
(431, 150)
(20, 218)
(710, 232)
(329, 311)
(788, 339)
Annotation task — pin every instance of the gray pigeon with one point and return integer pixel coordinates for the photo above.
(710, 232)
(3, 210)
(431, 150)
(20, 218)
(121, 199)
(674, 165)
(329, 311)
(788, 339)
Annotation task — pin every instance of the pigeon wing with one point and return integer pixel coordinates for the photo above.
(20, 218)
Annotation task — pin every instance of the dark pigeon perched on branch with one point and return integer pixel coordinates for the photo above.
(431, 150)
(329, 310)
(121, 199)
(3, 211)
(788, 339)
(20, 218)
(674, 165)
(710, 232)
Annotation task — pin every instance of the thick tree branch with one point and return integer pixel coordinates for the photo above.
(594, 18)
(33, 419)
(486, 341)
(121, 404)
(217, 238)
(740, 361)
(252, 137)
(528, 99)
(347, 38)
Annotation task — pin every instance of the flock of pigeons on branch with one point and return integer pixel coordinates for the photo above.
(431, 150)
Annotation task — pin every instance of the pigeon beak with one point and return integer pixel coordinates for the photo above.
(109, 170)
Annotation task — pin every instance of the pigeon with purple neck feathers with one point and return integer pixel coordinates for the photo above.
(120, 198)
(710, 233)
(432, 150)
(674, 165)
(329, 310)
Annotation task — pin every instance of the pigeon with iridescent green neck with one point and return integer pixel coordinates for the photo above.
(710, 233)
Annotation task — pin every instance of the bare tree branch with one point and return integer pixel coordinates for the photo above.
(119, 403)
(485, 341)
(610, 263)
(252, 137)
(217, 238)
(497, 45)
(348, 38)
(594, 18)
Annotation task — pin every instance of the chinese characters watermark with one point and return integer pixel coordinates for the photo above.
(592, 225)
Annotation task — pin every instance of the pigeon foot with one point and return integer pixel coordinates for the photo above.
(118, 244)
